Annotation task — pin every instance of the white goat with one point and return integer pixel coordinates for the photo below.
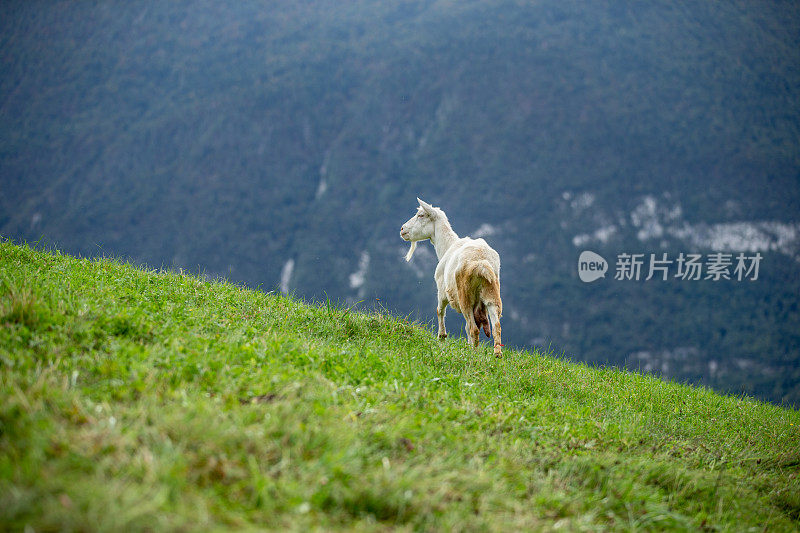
(467, 276)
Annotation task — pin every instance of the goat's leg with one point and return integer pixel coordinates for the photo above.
(472, 331)
(440, 311)
(494, 319)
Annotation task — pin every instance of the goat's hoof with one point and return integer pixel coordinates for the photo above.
(498, 351)
(442, 336)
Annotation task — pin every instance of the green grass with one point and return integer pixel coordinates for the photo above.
(144, 400)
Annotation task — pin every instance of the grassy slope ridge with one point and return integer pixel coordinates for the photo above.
(134, 399)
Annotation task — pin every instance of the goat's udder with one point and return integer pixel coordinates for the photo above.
(482, 319)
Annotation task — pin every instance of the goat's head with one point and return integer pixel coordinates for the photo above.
(419, 227)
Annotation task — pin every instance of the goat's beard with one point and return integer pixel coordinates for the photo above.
(411, 250)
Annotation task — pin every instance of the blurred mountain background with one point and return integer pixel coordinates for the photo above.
(282, 145)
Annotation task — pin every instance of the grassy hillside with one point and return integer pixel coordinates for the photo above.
(136, 399)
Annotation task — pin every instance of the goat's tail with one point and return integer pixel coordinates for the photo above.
(489, 292)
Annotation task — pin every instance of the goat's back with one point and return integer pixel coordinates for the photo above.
(466, 250)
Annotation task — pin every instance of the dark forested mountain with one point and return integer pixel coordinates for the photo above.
(283, 144)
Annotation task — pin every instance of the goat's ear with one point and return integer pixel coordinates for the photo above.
(427, 207)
